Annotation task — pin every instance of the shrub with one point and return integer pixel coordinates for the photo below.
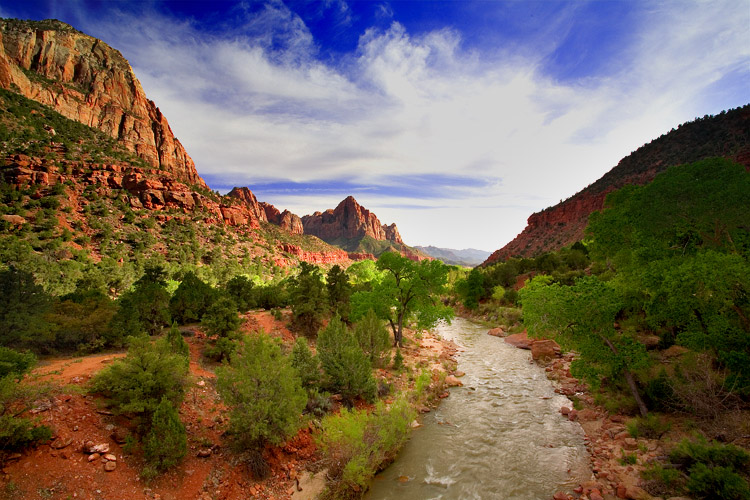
(178, 344)
(166, 442)
(373, 338)
(347, 368)
(306, 364)
(307, 293)
(263, 392)
(240, 289)
(717, 482)
(139, 382)
(651, 427)
(17, 432)
(357, 444)
(398, 360)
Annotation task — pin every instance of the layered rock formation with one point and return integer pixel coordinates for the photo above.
(727, 135)
(349, 220)
(266, 212)
(88, 81)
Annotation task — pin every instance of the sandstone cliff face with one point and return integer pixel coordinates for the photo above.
(285, 220)
(727, 135)
(349, 220)
(85, 80)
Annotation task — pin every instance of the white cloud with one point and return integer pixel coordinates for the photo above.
(256, 104)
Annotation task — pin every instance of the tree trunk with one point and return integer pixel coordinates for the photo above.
(629, 379)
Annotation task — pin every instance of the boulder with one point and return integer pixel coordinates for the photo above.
(544, 350)
(452, 381)
(497, 332)
(520, 340)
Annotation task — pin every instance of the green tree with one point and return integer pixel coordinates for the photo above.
(23, 305)
(191, 299)
(582, 317)
(307, 295)
(472, 288)
(263, 392)
(166, 442)
(408, 290)
(221, 320)
(372, 337)
(339, 291)
(145, 308)
(347, 367)
(178, 344)
(306, 364)
(138, 383)
(241, 289)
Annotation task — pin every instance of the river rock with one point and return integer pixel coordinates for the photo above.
(520, 340)
(544, 349)
(630, 444)
(452, 381)
(565, 410)
(497, 332)
(110, 466)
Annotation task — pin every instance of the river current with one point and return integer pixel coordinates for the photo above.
(499, 437)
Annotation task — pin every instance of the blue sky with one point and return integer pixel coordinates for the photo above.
(454, 119)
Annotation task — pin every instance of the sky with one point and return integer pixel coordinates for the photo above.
(454, 119)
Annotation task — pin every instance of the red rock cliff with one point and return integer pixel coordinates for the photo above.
(86, 80)
(349, 220)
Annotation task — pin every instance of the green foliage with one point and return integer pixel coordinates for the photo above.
(14, 363)
(221, 318)
(307, 295)
(714, 470)
(263, 392)
(472, 288)
(166, 442)
(178, 344)
(339, 291)
(17, 432)
(306, 364)
(23, 305)
(145, 308)
(358, 444)
(407, 291)
(346, 366)
(82, 322)
(373, 339)
(191, 300)
(650, 427)
(240, 289)
(398, 360)
(138, 383)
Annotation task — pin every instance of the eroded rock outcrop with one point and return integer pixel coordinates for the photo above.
(349, 220)
(88, 81)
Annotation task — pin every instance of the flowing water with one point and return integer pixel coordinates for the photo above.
(499, 437)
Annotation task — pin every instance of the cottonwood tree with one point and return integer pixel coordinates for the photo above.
(406, 291)
(581, 317)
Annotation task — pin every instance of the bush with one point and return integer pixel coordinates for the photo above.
(138, 383)
(373, 338)
(347, 368)
(178, 344)
(398, 360)
(306, 364)
(713, 470)
(240, 289)
(357, 444)
(166, 443)
(263, 392)
(17, 432)
(651, 427)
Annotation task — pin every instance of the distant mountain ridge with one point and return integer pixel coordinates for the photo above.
(724, 135)
(468, 257)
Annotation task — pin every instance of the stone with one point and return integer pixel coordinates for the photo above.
(109, 457)
(452, 381)
(110, 466)
(565, 410)
(544, 350)
(573, 415)
(204, 453)
(93, 456)
(90, 447)
(459, 374)
(630, 444)
(61, 442)
(497, 332)
(560, 496)
(520, 340)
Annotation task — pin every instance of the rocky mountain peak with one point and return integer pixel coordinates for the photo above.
(349, 220)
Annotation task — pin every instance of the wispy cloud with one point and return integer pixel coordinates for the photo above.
(421, 116)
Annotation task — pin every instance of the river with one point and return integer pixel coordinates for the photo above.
(500, 437)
